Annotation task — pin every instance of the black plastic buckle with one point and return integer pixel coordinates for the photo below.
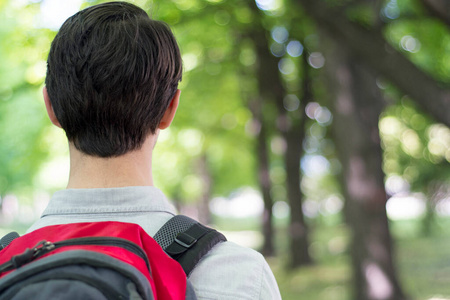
(185, 240)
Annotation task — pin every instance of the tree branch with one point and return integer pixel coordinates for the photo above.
(372, 49)
(439, 9)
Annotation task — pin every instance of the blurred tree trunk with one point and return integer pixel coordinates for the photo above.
(256, 106)
(439, 9)
(294, 134)
(268, 248)
(204, 213)
(436, 192)
(257, 103)
(372, 49)
(356, 105)
(271, 89)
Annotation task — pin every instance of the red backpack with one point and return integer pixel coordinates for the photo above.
(104, 260)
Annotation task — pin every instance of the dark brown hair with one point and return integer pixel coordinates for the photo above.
(111, 74)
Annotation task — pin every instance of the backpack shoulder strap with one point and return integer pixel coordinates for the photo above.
(187, 240)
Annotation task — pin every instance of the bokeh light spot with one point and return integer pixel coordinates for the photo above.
(316, 60)
(291, 102)
(286, 66)
(280, 34)
(190, 61)
(311, 108)
(294, 48)
(277, 49)
(410, 44)
(222, 17)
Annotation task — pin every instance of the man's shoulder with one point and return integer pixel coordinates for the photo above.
(230, 271)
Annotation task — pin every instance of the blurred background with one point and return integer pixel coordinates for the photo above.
(316, 132)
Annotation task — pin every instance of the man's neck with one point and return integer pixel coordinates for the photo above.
(131, 169)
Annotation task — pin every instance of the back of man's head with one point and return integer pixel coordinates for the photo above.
(111, 74)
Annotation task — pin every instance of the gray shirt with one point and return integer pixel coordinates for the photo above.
(228, 271)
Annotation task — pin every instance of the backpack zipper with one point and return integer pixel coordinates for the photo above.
(45, 247)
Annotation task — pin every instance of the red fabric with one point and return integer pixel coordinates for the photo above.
(169, 279)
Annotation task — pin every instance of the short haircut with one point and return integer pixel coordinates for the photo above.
(111, 74)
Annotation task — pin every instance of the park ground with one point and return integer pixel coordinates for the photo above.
(423, 260)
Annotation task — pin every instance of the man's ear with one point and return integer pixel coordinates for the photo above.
(49, 107)
(170, 112)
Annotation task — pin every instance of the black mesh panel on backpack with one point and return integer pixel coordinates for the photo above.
(187, 241)
(166, 235)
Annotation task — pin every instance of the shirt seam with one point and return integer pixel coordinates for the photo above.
(104, 210)
(63, 213)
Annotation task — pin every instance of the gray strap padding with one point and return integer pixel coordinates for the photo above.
(169, 231)
(7, 239)
(187, 241)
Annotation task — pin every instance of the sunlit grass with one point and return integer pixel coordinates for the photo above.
(422, 261)
(423, 265)
(320, 281)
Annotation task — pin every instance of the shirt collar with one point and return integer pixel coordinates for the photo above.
(108, 200)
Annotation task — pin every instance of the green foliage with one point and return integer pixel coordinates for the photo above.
(214, 122)
(212, 116)
(22, 116)
(414, 147)
(426, 42)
